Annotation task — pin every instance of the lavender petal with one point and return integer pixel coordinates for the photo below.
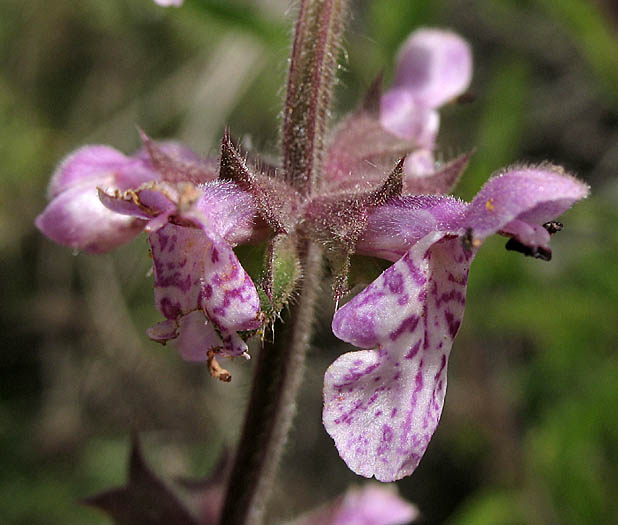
(397, 225)
(532, 194)
(76, 218)
(433, 66)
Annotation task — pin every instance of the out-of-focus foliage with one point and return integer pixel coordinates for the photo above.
(529, 433)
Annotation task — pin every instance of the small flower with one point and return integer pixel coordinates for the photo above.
(201, 288)
(383, 404)
(433, 67)
(102, 199)
(75, 217)
(371, 504)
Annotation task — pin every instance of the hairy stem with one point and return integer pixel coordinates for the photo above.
(272, 405)
(313, 68)
(278, 375)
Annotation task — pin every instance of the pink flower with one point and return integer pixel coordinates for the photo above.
(371, 504)
(102, 198)
(433, 67)
(383, 404)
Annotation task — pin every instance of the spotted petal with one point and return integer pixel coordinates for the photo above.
(382, 405)
(197, 270)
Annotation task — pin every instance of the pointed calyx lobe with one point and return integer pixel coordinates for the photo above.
(338, 221)
(277, 202)
(309, 90)
(382, 404)
(362, 150)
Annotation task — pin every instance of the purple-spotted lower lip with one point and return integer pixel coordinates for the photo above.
(195, 271)
(381, 406)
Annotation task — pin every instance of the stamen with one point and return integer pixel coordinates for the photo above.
(538, 252)
(553, 227)
(216, 370)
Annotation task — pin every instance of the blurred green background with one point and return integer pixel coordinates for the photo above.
(530, 429)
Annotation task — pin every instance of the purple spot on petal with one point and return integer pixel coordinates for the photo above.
(417, 275)
(168, 309)
(162, 238)
(414, 350)
(394, 281)
(453, 324)
(442, 366)
(409, 324)
(461, 281)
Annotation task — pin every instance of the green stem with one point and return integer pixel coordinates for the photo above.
(272, 405)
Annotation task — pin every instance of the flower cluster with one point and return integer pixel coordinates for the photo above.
(381, 194)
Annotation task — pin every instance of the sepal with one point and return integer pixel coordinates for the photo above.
(276, 202)
(282, 273)
(339, 221)
(176, 163)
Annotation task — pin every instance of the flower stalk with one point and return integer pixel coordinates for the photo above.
(312, 75)
(272, 406)
(280, 365)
